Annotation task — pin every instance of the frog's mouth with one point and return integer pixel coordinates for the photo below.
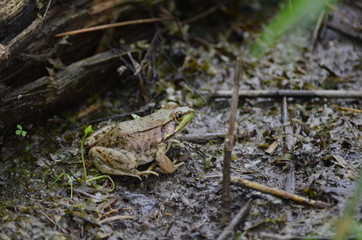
(186, 119)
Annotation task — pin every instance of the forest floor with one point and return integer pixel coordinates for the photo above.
(322, 164)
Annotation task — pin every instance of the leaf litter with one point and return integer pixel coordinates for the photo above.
(186, 204)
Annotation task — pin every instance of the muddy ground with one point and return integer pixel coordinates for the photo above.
(186, 204)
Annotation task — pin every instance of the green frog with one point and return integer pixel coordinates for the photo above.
(118, 149)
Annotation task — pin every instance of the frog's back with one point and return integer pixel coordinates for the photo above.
(134, 130)
(157, 119)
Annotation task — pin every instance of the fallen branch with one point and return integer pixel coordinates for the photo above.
(288, 145)
(205, 137)
(236, 220)
(229, 139)
(288, 140)
(289, 93)
(279, 193)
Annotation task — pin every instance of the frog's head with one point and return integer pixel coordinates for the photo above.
(179, 118)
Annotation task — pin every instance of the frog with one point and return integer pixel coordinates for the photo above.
(119, 148)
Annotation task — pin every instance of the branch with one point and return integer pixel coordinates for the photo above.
(228, 145)
(288, 145)
(205, 137)
(289, 93)
(237, 219)
(278, 193)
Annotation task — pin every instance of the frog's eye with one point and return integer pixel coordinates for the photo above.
(178, 116)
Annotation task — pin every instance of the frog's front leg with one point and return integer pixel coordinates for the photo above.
(116, 162)
(166, 165)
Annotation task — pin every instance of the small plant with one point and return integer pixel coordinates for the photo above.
(70, 181)
(20, 131)
(101, 177)
(87, 131)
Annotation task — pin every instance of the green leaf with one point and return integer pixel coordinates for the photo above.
(23, 133)
(88, 130)
(19, 127)
(18, 132)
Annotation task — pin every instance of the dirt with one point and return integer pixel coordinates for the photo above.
(323, 163)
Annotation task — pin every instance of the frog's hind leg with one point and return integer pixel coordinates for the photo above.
(116, 162)
(135, 173)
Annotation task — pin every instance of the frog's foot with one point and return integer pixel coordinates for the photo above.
(147, 172)
(179, 164)
(159, 169)
(136, 173)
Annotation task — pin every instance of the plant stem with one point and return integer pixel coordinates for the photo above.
(82, 154)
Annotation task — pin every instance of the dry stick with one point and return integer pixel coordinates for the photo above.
(205, 137)
(317, 27)
(112, 25)
(289, 93)
(351, 109)
(288, 144)
(229, 138)
(236, 220)
(279, 193)
(271, 149)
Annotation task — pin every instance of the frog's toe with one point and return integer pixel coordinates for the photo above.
(179, 165)
(147, 172)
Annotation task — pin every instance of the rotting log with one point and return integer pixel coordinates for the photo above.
(49, 91)
(41, 72)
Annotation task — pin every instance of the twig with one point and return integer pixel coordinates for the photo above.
(279, 193)
(61, 229)
(236, 220)
(271, 149)
(317, 27)
(229, 139)
(288, 141)
(46, 10)
(271, 236)
(114, 218)
(289, 93)
(169, 228)
(205, 137)
(112, 25)
(88, 110)
(288, 145)
(351, 109)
